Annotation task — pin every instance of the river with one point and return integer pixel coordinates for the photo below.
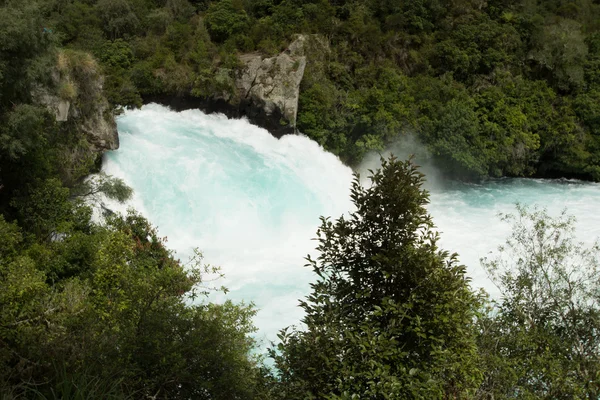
(251, 203)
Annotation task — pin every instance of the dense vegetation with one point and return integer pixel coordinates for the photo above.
(103, 309)
(491, 87)
(397, 308)
(391, 316)
(87, 309)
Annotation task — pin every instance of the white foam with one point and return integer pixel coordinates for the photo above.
(249, 202)
(252, 203)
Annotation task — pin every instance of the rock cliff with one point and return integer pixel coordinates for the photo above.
(273, 84)
(264, 89)
(76, 96)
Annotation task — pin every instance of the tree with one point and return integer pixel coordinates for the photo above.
(101, 184)
(118, 17)
(456, 135)
(540, 339)
(477, 45)
(560, 49)
(44, 209)
(107, 314)
(391, 315)
(147, 333)
(23, 46)
(224, 19)
(23, 131)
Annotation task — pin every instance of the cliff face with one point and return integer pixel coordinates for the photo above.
(99, 126)
(76, 96)
(273, 84)
(265, 89)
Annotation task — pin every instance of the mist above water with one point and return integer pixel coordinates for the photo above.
(251, 203)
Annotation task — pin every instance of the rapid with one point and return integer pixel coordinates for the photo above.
(251, 203)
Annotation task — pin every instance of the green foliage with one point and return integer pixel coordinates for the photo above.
(478, 45)
(23, 130)
(116, 54)
(67, 91)
(457, 135)
(490, 88)
(180, 9)
(443, 72)
(117, 58)
(391, 315)
(119, 307)
(81, 70)
(75, 19)
(118, 18)
(104, 185)
(44, 209)
(587, 107)
(21, 44)
(540, 340)
(319, 119)
(560, 49)
(224, 19)
(88, 310)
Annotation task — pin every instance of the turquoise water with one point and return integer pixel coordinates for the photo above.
(252, 203)
(249, 202)
(467, 214)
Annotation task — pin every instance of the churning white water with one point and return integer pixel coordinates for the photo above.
(467, 214)
(251, 203)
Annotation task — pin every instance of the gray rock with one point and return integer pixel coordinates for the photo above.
(101, 129)
(62, 111)
(60, 108)
(274, 82)
(99, 124)
(89, 110)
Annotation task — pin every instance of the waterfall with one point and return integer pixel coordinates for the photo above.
(251, 203)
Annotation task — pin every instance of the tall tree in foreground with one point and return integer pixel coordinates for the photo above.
(391, 315)
(541, 340)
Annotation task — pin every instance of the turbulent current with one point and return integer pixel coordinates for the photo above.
(251, 203)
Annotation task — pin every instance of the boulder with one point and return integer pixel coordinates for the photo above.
(273, 83)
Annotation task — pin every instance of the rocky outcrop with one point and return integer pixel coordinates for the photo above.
(99, 124)
(99, 128)
(59, 107)
(265, 89)
(76, 96)
(273, 83)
